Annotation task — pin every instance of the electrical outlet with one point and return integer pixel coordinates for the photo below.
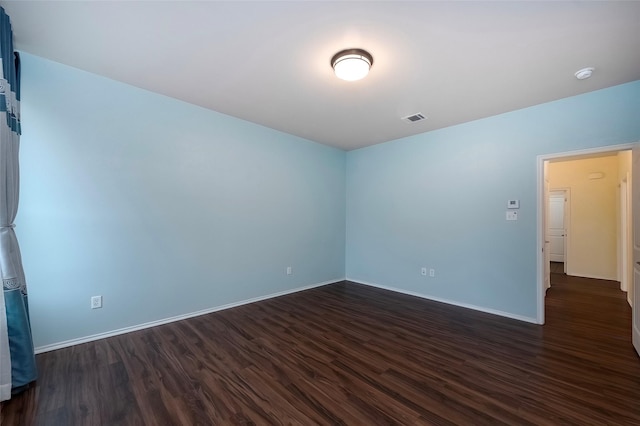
(96, 302)
(289, 270)
(432, 272)
(423, 271)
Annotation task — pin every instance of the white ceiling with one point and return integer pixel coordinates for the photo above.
(268, 61)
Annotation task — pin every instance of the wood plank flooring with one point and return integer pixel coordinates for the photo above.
(347, 354)
(556, 267)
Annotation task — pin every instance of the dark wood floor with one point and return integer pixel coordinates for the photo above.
(556, 267)
(350, 354)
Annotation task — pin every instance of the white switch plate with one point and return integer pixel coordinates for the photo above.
(423, 271)
(289, 270)
(512, 215)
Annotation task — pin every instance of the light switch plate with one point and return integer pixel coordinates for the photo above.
(513, 204)
(512, 215)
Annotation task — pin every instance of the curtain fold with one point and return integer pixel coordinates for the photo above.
(17, 359)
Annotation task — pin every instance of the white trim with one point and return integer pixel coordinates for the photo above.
(86, 339)
(540, 209)
(593, 277)
(449, 302)
(625, 260)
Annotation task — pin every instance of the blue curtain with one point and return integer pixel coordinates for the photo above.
(17, 359)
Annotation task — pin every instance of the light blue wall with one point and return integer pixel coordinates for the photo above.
(165, 208)
(439, 199)
(162, 207)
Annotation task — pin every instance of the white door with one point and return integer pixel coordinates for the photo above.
(555, 226)
(635, 211)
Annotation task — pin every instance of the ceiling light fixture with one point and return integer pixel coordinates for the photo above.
(584, 73)
(352, 64)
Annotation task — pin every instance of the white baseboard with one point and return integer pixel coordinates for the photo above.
(595, 277)
(450, 302)
(80, 340)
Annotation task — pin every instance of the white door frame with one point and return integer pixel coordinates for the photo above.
(623, 259)
(541, 203)
(634, 286)
(546, 277)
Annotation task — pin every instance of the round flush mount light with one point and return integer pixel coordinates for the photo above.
(352, 64)
(584, 73)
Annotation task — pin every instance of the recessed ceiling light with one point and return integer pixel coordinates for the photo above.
(584, 73)
(352, 64)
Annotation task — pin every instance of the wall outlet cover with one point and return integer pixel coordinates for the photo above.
(96, 302)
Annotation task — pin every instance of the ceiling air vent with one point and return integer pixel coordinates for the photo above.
(414, 117)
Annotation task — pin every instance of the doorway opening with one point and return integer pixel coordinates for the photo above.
(573, 265)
